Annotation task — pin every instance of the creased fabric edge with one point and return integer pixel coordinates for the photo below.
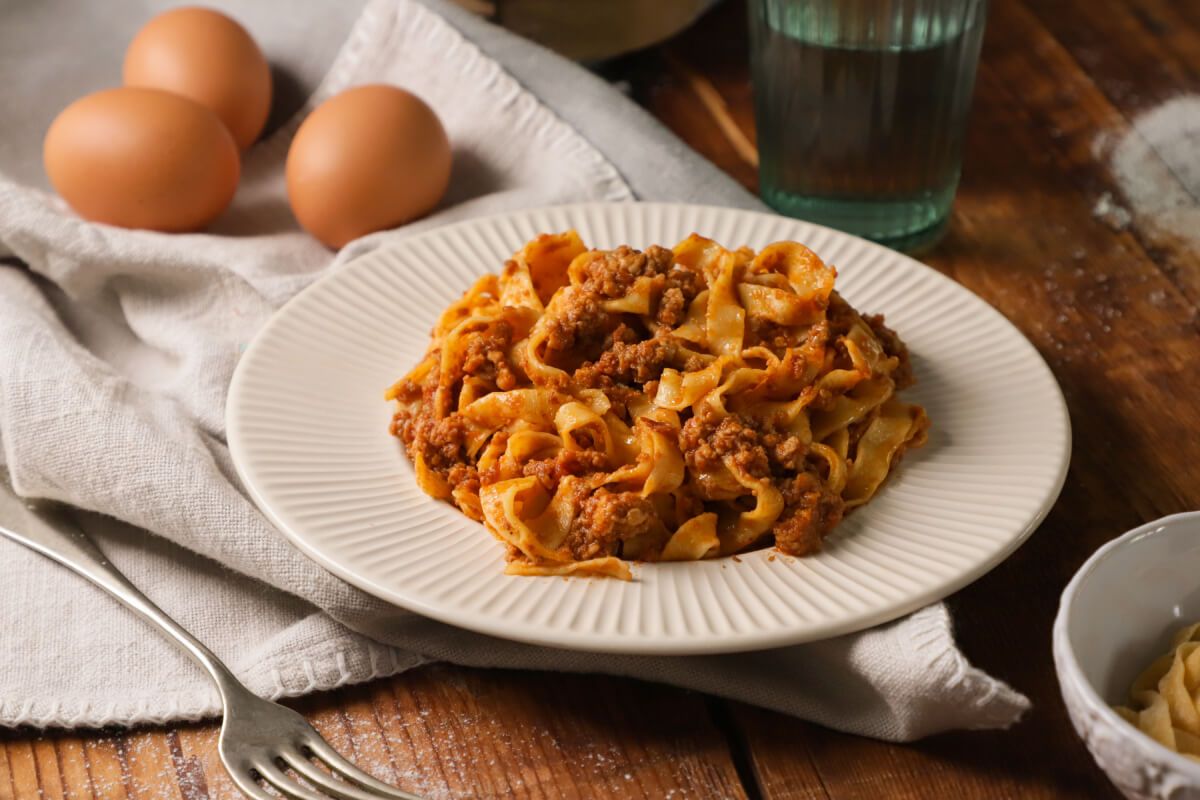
(992, 702)
(987, 703)
(305, 673)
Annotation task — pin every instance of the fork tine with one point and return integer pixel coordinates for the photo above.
(248, 786)
(334, 760)
(323, 780)
(287, 787)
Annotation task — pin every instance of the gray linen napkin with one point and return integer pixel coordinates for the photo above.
(116, 348)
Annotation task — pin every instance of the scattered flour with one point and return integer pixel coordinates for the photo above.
(1111, 213)
(1157, 167)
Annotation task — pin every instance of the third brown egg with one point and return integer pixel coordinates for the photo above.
(368, 159)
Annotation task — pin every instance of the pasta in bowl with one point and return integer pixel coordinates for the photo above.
(595, 407)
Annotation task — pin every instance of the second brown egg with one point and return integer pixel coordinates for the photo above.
(209, 58)
(368, 159)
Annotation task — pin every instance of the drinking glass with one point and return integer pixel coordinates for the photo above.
(861, 107)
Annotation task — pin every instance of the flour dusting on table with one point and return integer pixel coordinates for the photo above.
(1157, 167)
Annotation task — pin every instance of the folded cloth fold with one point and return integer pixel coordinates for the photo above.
(116, 349)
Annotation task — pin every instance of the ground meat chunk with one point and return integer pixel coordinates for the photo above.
(441, 442)
(630, 363)
(679, 288)
(687, 280)
(660, 259)
(583, 324)
(773, 336)
(810, 512)
(785, 451)
(620, 397)
(464, 476)
(606, 519)
(706, 440)
(486, 356)
(903, 375)
(612, 273)
(446, 442)
(672, 308)
(550, 471)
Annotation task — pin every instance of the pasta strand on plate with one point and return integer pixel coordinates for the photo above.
(593, 407)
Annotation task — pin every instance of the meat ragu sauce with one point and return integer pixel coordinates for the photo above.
(735, 457)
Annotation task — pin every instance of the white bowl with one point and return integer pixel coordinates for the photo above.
(1116, 616)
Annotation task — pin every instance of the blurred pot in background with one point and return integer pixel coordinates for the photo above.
(592, 30)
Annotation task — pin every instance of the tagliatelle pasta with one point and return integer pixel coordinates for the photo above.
(594, 407)
(1164, 697)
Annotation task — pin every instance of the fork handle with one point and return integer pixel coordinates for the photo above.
(53, 534)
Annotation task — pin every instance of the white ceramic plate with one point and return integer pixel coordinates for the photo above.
(308, 430)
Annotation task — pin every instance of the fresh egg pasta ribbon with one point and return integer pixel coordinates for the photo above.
(1164, 697)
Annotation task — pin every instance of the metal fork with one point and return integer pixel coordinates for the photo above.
(259, 740)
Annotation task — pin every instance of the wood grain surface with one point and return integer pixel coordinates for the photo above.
(1078, 219)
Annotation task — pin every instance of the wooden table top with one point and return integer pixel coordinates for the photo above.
(1078, 219)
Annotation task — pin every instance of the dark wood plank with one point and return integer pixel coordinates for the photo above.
(198, 771)
(1138, 54)
(73, 768)
(439, 731)
(795, 760)
(445, 731)
(1157, 62)
(145, 760)
(8, 786)
(50, 780)
(110, 768)
(22, 770)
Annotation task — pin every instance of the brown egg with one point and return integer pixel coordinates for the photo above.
(368, 159)
(142, 158)
(205, 55)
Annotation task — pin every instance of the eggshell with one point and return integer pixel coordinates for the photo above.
(208, 57)
(142, 158)
(368, 159)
